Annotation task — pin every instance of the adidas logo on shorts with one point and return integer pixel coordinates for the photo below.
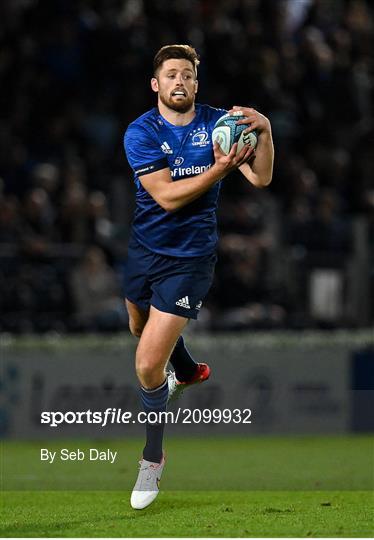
(183, 302)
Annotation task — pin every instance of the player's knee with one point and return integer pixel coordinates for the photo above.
(148, 370)
(135, 329)
(144, 369)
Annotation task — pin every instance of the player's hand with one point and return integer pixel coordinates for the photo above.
(227, 163)
(255, 119)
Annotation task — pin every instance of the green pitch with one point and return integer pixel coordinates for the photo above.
(178, 514)
(240, 487)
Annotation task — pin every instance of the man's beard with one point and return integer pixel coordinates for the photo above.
(182, 106)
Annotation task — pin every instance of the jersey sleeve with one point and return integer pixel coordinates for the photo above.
(143, 151)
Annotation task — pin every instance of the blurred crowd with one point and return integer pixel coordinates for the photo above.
(73, 74)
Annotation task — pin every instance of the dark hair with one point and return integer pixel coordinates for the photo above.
(175, 51)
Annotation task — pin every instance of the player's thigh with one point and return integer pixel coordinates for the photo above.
(137, 318)
(158, 339)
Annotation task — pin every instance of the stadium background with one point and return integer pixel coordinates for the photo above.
(74, 74)
(292, 301)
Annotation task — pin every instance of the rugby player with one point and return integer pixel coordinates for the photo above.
(171, 255)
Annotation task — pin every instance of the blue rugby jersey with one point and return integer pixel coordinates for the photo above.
(152, 143)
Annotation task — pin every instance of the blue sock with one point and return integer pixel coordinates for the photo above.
(182, 361)
(154, 401)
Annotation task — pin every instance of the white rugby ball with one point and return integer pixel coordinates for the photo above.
(226, 132)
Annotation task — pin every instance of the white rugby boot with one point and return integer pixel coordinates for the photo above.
(146, 487)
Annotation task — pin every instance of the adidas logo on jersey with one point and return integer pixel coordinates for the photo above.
(166, 148)
(183, 302)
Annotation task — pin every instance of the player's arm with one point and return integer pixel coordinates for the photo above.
(260, 169)
(172, 195)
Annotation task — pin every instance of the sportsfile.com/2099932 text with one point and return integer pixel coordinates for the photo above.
(118, 416)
